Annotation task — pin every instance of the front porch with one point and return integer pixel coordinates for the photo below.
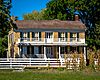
(58, 52)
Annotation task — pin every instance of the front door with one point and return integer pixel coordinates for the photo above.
(49, 52)
(24, 51)
(49, 37)
(36, 52)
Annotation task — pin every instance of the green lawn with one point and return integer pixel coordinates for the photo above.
(48, 75)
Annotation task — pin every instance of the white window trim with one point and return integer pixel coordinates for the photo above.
(36, 37)
(63, 36)
(74, 36)
(25, 35)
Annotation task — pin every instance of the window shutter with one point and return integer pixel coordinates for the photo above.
(39, 34)
(59, 35)
(28, 34)
(21, 35)
(77, 48)
(39, 49)
(66, 49)
(32, 49)
(28, 50)
(71, 34)
(77, 35)
(33, 34)
(66, 34)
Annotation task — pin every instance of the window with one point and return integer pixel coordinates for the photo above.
(24, 35)
(62, 49)
(11, 38)
(63, 36)
(36, 50)
(36, 35)
(74, 36)
(74, 49)
(24, 50)
(49, 35)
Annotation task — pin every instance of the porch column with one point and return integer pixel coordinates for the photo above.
(84, 52)
(44, 52)
(18, 50)
(60, 56)
(59, 53)
(30, 52)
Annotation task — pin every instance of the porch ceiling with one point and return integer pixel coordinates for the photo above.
(52, 44)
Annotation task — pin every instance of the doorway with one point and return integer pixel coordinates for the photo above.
(49, 37)
(49, 52)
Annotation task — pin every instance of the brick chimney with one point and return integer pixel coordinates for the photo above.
(76, 17)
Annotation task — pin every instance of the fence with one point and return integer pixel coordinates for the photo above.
(72, 62)
(20, 63)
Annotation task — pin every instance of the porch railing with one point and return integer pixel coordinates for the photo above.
(51, 40)
(21, 63)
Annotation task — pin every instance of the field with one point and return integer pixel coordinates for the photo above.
(48, 75)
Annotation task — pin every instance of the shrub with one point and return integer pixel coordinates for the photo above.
(91, 60)
(82, 62)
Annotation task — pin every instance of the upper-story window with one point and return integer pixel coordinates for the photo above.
(74, 36)
(63, 36)
(25, 35)
(36, 35)
(11, 38)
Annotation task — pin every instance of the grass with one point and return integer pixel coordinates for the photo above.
(48, 75)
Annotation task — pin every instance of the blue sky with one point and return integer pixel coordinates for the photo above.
(20, 7)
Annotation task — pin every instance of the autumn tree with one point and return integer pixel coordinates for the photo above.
(35, 15)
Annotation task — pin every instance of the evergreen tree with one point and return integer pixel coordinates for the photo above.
(5, 25)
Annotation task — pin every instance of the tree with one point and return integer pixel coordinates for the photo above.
(35, 15)
(56, 9)
(5, 25)
(97, 35)
(88, 11)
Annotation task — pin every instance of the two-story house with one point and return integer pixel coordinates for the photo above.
(46, 39)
